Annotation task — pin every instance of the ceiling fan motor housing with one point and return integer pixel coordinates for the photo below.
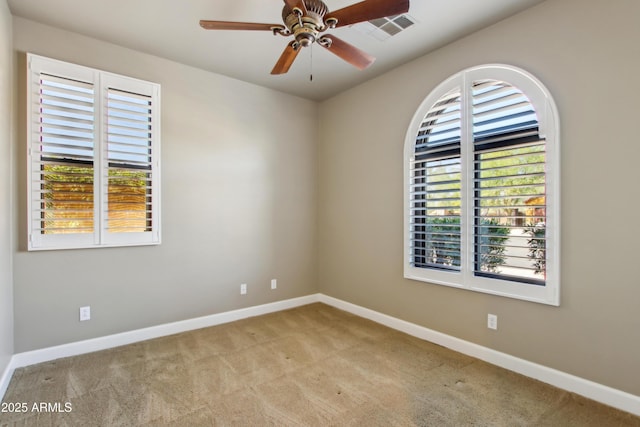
(306, 27)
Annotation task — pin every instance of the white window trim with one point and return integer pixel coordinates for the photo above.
(101, 80)
(548, 120)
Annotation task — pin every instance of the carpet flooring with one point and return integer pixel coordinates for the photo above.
(309, 366)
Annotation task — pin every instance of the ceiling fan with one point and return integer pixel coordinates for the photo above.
(306, 20)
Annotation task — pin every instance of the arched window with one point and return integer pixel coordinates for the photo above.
(482, 186)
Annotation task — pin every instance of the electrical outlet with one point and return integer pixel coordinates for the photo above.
(492, 321)
(274, 283)
(243, 289)
(85, 313)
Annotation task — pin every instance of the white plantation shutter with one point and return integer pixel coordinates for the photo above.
(435, 187)
(131, 162)
(509, 183)
(129, 158)
(482, 188)
(93, 158)
(63, 151)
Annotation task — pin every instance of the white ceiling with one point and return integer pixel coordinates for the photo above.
(169, 29)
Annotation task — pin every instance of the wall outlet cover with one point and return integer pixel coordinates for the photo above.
(85, 313)
(492, 321)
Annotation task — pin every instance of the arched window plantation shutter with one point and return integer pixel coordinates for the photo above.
(435, 187)
(509, 184)
(482, 189)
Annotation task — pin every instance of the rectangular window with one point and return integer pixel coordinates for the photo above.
(94, 151)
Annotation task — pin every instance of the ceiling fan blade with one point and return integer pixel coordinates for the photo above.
(348, 52)
(297, 4)
(229, 25)
(286, 59)
(368, 10)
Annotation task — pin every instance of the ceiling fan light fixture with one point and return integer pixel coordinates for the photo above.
(306, 38)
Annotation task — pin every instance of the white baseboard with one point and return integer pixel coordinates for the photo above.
(589, 389)
(598, 392)
(102, 343)
(5, 378)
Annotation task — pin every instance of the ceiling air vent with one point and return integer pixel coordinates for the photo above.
(383, 28)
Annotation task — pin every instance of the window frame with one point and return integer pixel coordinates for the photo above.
(101, 82)
(548, 120)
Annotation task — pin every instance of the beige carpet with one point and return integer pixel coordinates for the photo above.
(309, 366)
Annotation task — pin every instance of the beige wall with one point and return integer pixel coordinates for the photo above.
(586, 53)
(6, 99)
(238, 206)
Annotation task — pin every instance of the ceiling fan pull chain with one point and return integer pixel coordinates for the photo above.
(311, 56)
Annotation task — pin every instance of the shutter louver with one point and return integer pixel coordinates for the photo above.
(509, 184)
(62, 152)
(129, 157)
(435, 174)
